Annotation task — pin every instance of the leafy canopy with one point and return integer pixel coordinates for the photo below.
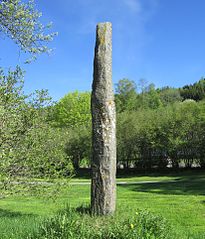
(29, 146)
(19, 20)
(73, 110)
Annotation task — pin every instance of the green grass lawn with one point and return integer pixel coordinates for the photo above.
(180, 198)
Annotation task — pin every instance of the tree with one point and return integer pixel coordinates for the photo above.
(126, 95)
(126, 138)
(169, 95)
(29, 146)
(19, 20)
(78, 146)
(72, 114)
(200, 129)
(195, 92)
(152, 98)
(73, 110)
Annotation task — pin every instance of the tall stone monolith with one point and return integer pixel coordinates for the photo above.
(103, 185)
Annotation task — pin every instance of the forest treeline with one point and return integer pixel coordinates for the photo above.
(156, 128)
(160, 128)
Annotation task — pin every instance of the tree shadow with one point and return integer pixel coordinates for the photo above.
(11, 214)
(85, 173)
(186, 185)
(170, 172)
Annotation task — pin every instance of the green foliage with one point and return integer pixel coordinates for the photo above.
(72, 225)
(153, 98)
(29, 145)
(126, 95)
(169, 95)
(78, 146)
(150, 138)
(149, 98)
(73, 110)
(138, 140)
(19, 20)
(195, 91)
(127, 134)
(147, 225)
(72, 114)
(127, 98)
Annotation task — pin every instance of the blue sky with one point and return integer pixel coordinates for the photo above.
(162, 41)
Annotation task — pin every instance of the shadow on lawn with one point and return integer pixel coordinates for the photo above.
(170, 172)
(85, 173)
(11, 214)
(186, 185)
(83, 209)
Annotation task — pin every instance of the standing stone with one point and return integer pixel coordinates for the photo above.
(103, 185)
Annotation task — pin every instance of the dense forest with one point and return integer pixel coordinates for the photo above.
(156, 128)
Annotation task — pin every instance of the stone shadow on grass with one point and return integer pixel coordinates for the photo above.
(83, 209)
(180, 186)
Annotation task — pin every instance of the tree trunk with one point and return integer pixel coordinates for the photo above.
(103, 186)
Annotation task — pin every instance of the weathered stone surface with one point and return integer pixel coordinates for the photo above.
(103, 186)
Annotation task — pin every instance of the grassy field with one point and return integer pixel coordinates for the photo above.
(180, 198)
